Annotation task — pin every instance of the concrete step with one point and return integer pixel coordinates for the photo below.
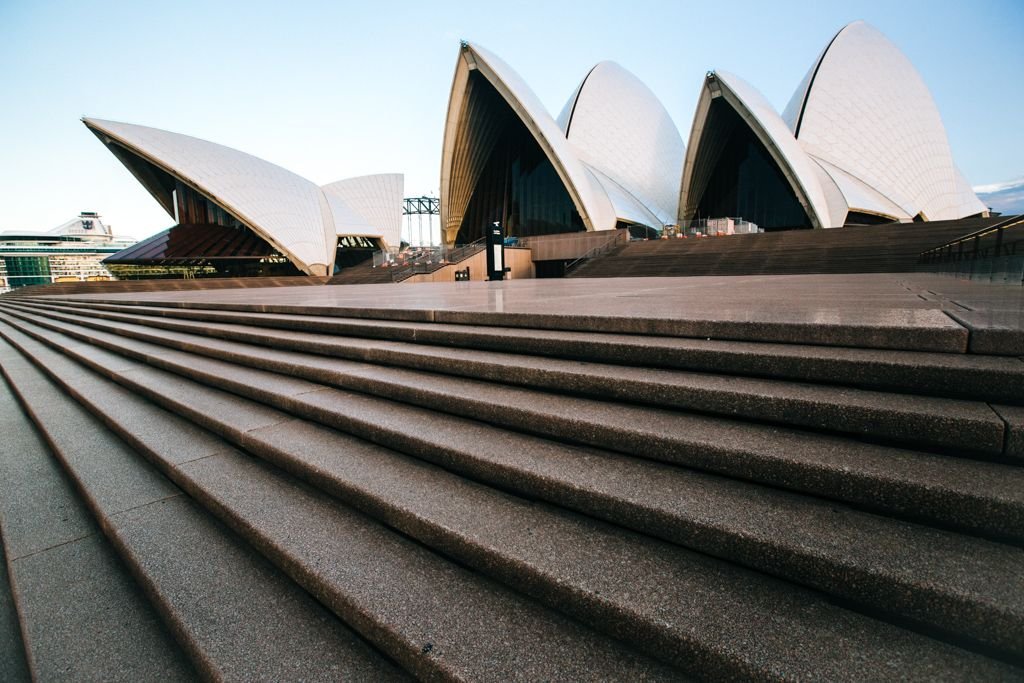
(222, 600)
(897, 418)
(435, 618)
(864, 249)
(890, 322)
(984, 498)
(915, 420)
(923, 574)
(13, 665)
(984, 378)
(82, 615)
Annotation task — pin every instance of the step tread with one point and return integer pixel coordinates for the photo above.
(956, 375)
(920, 549)
(955, 491)
(1014, 418)
(416, 596)
(896, 320)
(13, 665)
(934, 421)
(82, 615)
(400, 594)
(238, 616)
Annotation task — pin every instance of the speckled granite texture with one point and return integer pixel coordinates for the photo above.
(813, 477)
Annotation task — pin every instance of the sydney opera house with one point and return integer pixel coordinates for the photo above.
(791, 474)
(860, 143)
(236, 214)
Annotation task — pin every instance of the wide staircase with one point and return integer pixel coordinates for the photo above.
(196, 491)
(364, 273)
(890, 248)
(164, 285)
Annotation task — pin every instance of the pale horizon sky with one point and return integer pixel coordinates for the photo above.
(339, 89)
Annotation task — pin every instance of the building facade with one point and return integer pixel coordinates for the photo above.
(71, 252)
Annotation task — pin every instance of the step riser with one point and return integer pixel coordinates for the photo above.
(929, 330)
(13, 665)
(880, 591)
(933, 422)
(163, 540)
(871, 489)
(309, 576)
(82, 615)
(942, 375)
(312, 449)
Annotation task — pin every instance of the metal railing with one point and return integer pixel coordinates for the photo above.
(435, 259)
(712, 227)
(614, 241)
(992, 254)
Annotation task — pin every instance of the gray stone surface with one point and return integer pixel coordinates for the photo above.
(882, 559)
(877, 311)
(557, 648)
(918, 572)
(136, 341)
(244, 619)
(977, 496)
(38, 507)
(423, 345)
(924, 420)
(1014, 417)
(402, 596)
(964, 494)
(240, 618)
(994, 314)
(86, 619)
(108, 473)
(963, 586)
(997, 332)
(13, 665)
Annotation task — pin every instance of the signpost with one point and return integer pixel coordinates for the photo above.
(495, 252)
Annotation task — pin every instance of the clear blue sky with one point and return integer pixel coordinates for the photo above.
(335, 89)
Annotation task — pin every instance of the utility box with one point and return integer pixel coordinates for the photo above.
(495, 252)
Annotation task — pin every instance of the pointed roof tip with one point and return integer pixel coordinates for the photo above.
(860, 67)
(93, 123)
(591, 120)
(857, 24)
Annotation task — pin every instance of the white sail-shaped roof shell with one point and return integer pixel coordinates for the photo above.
(285, 209)
(369, 205)
(297, 217)
(800, 171)
(618, 128)
(864, 108)
(589, 198)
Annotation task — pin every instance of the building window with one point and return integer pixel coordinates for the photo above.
(23, 271)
